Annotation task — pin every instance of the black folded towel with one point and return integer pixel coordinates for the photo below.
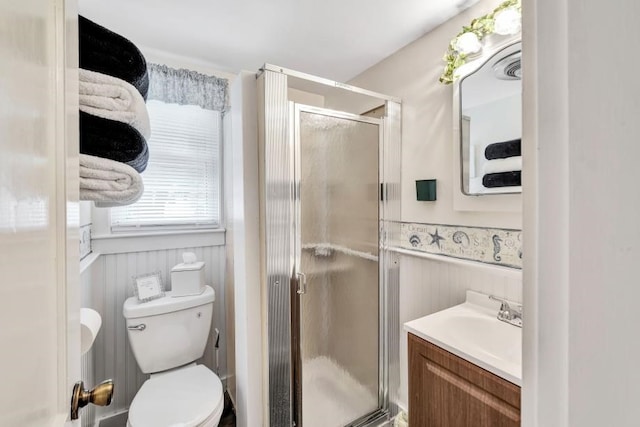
(502, 150)
(502, 179)
(106, 52)
(113, 140)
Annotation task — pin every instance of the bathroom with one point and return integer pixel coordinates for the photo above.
(404, 230)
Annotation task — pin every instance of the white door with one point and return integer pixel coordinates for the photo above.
(39, 301)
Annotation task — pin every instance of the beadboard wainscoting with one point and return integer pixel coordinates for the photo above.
(106, 283)
(431, 285)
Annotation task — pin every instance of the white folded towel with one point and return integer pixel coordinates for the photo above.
(509, 164)
(112, 98)
(108, 183)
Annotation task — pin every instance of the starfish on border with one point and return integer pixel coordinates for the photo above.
(435, 238)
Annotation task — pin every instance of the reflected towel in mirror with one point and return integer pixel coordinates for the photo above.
(502, 150)
(502, 179)
(502, 165)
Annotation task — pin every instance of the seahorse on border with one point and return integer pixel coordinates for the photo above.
(496, 247)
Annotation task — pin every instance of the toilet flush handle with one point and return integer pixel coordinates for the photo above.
(140, 327)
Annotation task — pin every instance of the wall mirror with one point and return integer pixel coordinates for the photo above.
(490, 120)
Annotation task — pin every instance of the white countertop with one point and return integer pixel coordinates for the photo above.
(472, 331)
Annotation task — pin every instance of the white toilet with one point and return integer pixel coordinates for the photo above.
(167, 335)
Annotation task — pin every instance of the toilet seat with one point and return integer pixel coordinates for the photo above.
(187, 397)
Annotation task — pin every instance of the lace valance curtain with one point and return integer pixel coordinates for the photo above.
(187, 87)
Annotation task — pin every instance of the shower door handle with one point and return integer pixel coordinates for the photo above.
(302, 283)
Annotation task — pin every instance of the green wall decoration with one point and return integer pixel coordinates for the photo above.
(504, 20)
(426, 190)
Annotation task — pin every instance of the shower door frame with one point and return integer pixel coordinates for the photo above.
(278, 282)
(297, 286)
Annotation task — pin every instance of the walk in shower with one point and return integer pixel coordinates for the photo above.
(329, 178)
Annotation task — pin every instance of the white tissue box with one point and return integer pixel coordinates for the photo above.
(187, 279)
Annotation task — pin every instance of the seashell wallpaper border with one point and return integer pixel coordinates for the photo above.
(497, 246)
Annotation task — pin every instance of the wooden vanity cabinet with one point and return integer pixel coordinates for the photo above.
(447, 391)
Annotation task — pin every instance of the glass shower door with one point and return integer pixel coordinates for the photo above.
(336, 297)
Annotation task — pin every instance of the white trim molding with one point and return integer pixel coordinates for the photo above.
(87, 261)
(545, 141)
(142, 242)
(489, 268)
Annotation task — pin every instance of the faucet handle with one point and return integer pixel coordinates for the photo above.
(506, 303)
(509, 312)
(505, 307)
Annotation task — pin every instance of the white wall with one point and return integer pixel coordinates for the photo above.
(229, 285)
(85, 213)
(245, 223)
(427, 124)
(582, 349)
(427, 286)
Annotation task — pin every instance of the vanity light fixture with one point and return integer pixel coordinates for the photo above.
(504, 20)
(468, 43)
(508, 21)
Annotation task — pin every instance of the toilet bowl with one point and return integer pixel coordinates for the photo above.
(167, 335)
(186, 397)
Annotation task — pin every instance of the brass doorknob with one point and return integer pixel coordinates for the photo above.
(100, 395)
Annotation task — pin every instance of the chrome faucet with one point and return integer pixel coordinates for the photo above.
(509, 312)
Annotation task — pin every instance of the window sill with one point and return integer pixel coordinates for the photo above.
(157, 240)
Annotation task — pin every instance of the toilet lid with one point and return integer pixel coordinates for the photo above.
(181, 398)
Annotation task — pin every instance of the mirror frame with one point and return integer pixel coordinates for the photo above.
(488, 58)
(501, 202)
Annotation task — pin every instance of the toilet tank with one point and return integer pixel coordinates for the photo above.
(170, 331)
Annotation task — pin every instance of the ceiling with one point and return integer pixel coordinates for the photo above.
(336, 39)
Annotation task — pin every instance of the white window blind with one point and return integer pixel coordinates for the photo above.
(182, 179)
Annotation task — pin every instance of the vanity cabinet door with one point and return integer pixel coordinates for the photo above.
(447, 391)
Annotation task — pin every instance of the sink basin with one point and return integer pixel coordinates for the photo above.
(472, 332)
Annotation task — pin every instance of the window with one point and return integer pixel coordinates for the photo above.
(182, 179)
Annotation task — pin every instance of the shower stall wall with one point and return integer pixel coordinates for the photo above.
(329, 199)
